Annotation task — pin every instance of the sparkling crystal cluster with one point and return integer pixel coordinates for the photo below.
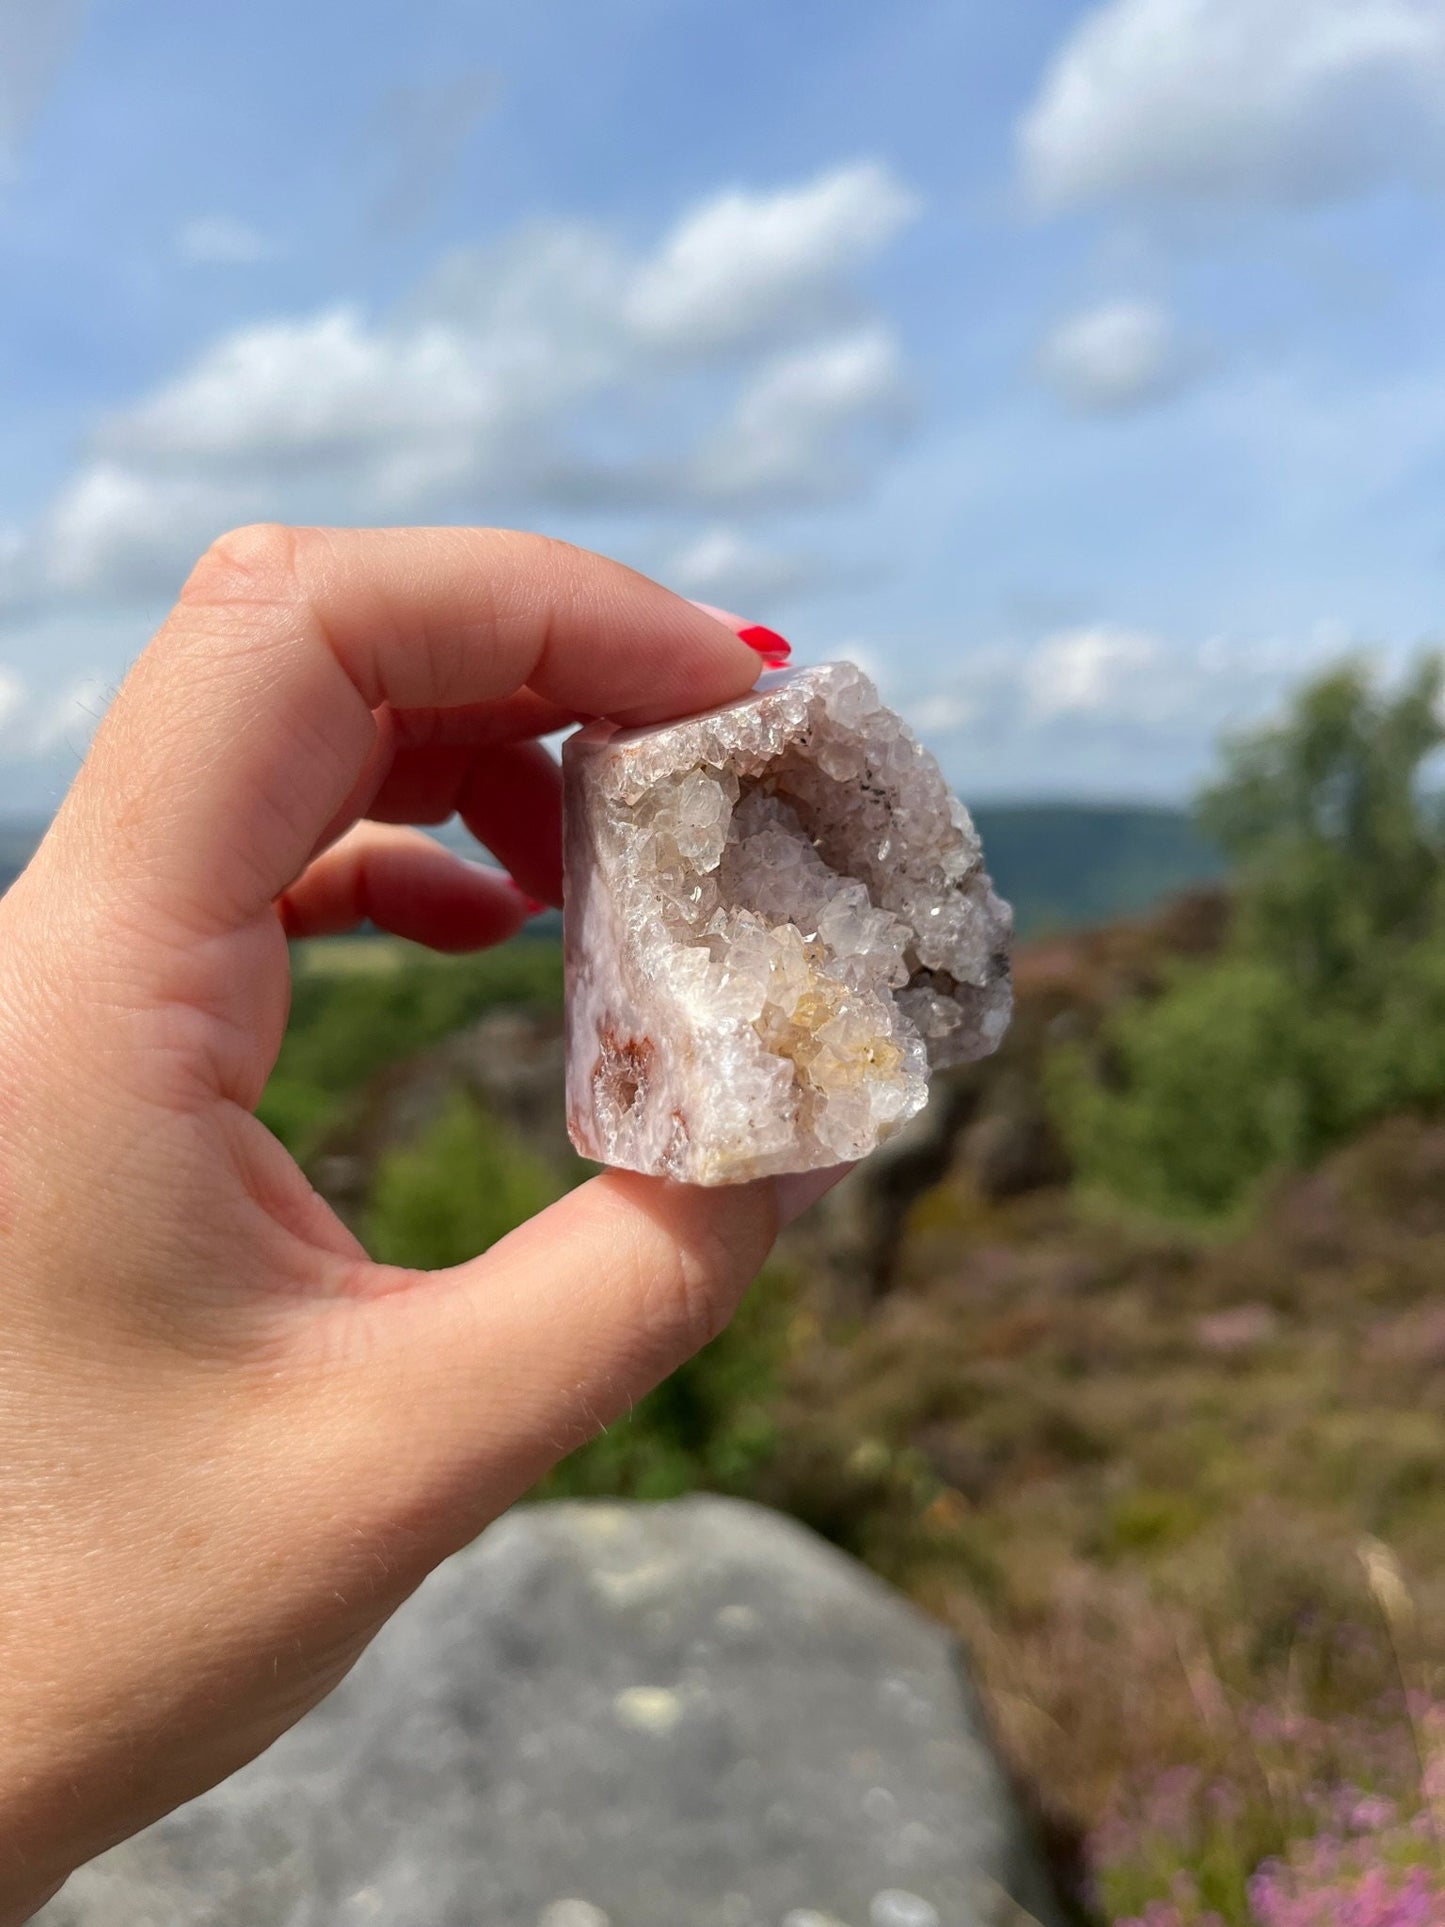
(778, 922)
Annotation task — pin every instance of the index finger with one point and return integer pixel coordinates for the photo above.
(246, 724)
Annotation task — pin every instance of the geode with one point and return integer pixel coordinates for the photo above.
(778, 923)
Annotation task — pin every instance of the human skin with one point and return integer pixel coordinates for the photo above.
(230, 1445)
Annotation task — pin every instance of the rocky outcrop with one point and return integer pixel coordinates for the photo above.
(689, 1715)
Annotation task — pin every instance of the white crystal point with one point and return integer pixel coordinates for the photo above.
(777, 923)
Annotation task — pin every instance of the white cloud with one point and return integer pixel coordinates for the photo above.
(724, 566)
(798, 423)
(70, 718)
(525, 375)
(12, 698)
(944, 713)
(1113, 358)
(322, 390)
(116, 531)
(1092, 670)
(220, 240)
(1289, 100)
(1105, 710)
(744, 265)
(36, 722)
(1097, 676)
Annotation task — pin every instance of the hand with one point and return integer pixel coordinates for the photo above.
(229, 1444)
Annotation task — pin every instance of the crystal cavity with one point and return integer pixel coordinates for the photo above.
(778, 923)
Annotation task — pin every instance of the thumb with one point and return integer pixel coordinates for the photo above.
(496, 1369)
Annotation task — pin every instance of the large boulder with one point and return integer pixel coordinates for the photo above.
(686, 1715)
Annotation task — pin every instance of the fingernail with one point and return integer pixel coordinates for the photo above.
(800, 1190)
(532, 906)
(773, 648)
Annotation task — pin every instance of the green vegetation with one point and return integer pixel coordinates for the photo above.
(360, 1005)
(1132, 1454)
(465, 1183)
(709, 1428)
(1134, 1469)
(1326, 1009)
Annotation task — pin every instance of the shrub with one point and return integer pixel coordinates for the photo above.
(1327, 1008)
(707, 1428)
(394, 999)
(460, 1187)
(1202, 1091)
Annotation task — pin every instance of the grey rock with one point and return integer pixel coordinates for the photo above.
(688, 1715)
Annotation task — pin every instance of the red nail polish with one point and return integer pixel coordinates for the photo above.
(530, 904)
(773, 648)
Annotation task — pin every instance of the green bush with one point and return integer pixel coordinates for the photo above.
(707, 1428)
(396, 999)
(1201, 1091)
(460, 1187)
(1327, 1008)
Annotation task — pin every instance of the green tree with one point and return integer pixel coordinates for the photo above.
(1327, 1007)
(1335, 839)
(1194, 1094)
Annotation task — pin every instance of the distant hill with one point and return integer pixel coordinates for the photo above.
(1061, 865)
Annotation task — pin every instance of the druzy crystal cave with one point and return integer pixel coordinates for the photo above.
(778, 923)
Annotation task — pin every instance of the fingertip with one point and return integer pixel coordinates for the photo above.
(408, 885)
(799, 1191)
(531, 906)
(724, 616)
(775, 650)
(690, 659)
(512, 803)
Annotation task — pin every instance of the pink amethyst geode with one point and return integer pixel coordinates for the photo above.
(778, 923)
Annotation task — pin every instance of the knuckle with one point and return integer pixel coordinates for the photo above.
(561, 567)
(697, 1288)
(259, 562)
(682, 1311)
(528, 544)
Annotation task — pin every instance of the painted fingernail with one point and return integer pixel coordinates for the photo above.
(724, 616)
(800, 1190)
(773, 648)
(530, 903)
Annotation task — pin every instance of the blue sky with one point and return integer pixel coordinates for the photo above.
(1076, 366)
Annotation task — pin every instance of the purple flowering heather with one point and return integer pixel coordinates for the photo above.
(1378, 1897)
(1363, 1850)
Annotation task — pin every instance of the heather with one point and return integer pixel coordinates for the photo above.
(1128, 1362)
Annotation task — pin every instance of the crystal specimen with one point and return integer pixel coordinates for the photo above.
(778, 922)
